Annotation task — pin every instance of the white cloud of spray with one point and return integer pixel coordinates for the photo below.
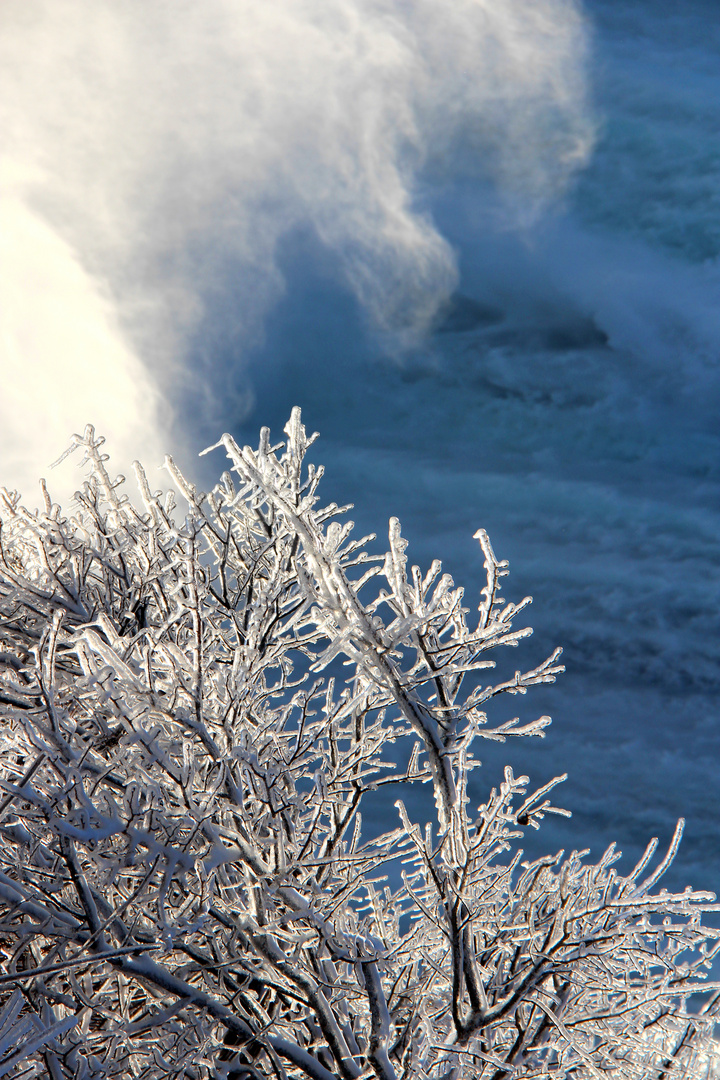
(63, 360)
(148, 145)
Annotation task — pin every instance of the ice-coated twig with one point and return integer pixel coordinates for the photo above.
(196, 714)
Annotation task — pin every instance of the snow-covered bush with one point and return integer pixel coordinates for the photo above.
(194, 710)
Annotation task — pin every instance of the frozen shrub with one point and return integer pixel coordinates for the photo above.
(193, 713)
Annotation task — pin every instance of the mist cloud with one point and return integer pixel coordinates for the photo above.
(163, 142)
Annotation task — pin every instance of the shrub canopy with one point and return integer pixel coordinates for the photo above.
(194, 712)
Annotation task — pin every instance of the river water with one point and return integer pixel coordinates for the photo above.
(567, 401)
(211, 209)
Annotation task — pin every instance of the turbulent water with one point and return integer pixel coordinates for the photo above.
(211, 211)
(568, 402)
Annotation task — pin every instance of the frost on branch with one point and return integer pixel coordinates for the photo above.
(193, 711)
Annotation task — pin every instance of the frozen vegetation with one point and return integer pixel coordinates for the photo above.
(195, 708)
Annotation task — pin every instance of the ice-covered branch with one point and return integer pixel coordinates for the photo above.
(195, 709)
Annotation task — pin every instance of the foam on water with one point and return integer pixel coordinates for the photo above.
(656, 170)
(568, 402)
(239, 184)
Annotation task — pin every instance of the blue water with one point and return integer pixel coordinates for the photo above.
(567, 401)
